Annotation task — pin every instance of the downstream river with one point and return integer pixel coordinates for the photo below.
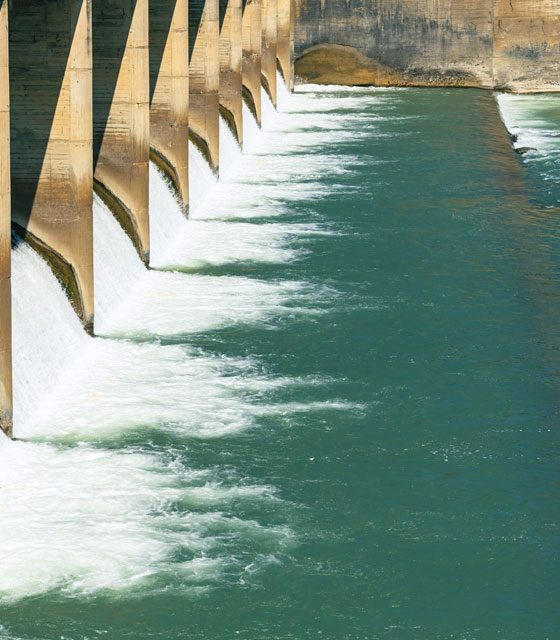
(346, 427)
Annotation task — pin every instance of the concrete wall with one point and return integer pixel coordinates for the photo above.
(204, 78)
(51, 138)
(121, 116)
(169, 91)
(231, 101)
(527, 44)
(252, 53)
(269, 41)
(5, 223)
(511, 43)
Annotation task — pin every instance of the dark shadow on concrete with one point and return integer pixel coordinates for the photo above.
(196, 9)
(38, 62)
(161, 17)
(223, 5)
(112, 20)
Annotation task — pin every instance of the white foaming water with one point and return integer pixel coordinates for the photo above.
(202, 180)
(87, 519)
(117, 266)
(143, 388)
(208, 243)
(283, 96)
(143, 304)
(167, 220)
(251, 131)
(230, 151)
(47, 335)
(177, 304)
(268, 112)
(534, 124)
(520, 115)
(84, 520)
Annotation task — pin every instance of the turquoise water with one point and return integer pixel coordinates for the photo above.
(395, 471)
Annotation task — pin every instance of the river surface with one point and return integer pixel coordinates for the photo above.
(346, 426)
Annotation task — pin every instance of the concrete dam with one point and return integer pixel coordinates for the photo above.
(96, 89)
(279, 298)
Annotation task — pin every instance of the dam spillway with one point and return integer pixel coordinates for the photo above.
(324, 403)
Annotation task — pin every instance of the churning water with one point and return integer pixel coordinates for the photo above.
(332, 410)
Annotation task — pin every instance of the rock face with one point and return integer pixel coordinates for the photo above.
(511, 44)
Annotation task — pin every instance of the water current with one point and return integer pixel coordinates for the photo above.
(330, 409)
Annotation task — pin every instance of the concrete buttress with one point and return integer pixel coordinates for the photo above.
(269, 42)
(5, 224)
(285, 45)
(169, 91)
(51, 139)
(252, 52)
(204, 78)
(231, 49)
(121, 115)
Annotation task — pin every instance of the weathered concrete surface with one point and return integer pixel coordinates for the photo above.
(269, 42)
(527, 45)
(512, 43)
(169, 91)
(121, 114)
(204, 71)
(231, 49)
(5, 224)
(252, 52)
(285, 43)
(51, 138)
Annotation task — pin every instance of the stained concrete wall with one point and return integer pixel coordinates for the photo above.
(269, 42)
(252, 53)
(121, 116)
(169, 91)
(510, 43)
(51, 138)
(5, 223)
(231, 101)
(527, 44)
(204, 78)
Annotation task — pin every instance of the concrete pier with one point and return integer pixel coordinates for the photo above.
(269, 41)
(204, 79)
(51, 139)
(5, 223)
(231, 100)
(252, 53)
(169, 91)
(285, 43)
(121, 123)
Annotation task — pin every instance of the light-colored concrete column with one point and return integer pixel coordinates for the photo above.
(169, 91)
(270, 37)
(252, 52)
(51, 139)
(285, 46)
(5, 223)
(231, 100)
(204, 71)
(121, 115)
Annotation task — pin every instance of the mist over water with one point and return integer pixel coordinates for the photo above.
(330, 412)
